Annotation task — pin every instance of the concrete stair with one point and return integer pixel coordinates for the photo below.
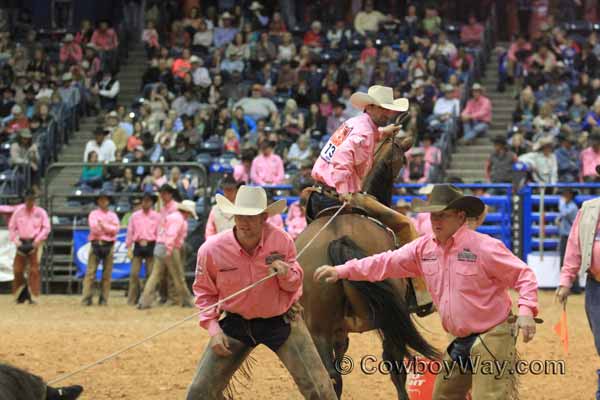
(62, 181)
(468, 162)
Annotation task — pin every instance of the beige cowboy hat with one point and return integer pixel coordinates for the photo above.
(426, 189)
(382, 96)
(544, 141)
(255, 6)
(188, 206)
(250, 200)
(449, 197)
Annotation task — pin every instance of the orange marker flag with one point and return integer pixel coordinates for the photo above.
(562, 331)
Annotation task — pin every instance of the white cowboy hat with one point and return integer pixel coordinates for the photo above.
(381, 96)
(255, 6)
(188, 206)
(250, 200)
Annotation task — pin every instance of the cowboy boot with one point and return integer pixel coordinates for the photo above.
(63, 393)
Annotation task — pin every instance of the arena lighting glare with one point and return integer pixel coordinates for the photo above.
(141, 99)
(131, 115)
(78, 193)
(2, 177)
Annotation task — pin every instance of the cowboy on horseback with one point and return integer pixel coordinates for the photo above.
(348, 155)
(267, 314)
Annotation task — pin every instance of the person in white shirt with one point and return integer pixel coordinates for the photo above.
(200, 74)
(103, 146)
(368, 20)
(445, 109)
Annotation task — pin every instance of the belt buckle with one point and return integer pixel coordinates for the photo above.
(143, 243)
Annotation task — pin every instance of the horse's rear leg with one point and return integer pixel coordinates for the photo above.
(396, 358)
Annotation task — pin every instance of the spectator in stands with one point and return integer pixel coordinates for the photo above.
(499, 165)
(295, 221)
(286, 51)
(542, 161)
(231, 142)
(471, 34)
(527, 109)
(185, 104)
(445, 109)
(15, 121)
(592, 119)
(104, 227)
(7, 102)
(182, 152)
(314, 37)
(264, 51)
(108, 91)
(203, 38)
(25, 154)
(546, 123)
(200, 74)
(236, 54)
(369, 51)
(567, 158)
(590, 157)
(368, 20)
(217, 220)
(106, 41)
(518, 51)
(433, 155)
(416, 169)
(477, 115)
(299, 151)
(70, 51)
(292, 120)
(336, 118)
(443, 47)
(69, 93)
(544, 57)
(577, 112)
(267, 168)
(182, 66)
(28, 229)
(223, 35)
(257, 106)
(150, 39)
(102, 145)
(242, 168)
(92, 176)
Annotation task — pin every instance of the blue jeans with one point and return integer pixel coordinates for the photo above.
(472, 129)
(592, 308)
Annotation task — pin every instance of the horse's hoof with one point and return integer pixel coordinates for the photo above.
(70, 392)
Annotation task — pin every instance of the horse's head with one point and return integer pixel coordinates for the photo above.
(388, 160)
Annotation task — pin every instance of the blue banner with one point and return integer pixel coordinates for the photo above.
(122, 264)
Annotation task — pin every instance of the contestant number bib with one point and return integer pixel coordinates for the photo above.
(334, 142)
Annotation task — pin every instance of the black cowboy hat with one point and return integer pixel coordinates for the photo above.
(167, 188)
(104, 193)
(100, 131)
(499, 140)
(449, 197)
(150, 195)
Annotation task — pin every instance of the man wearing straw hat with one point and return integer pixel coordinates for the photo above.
(348, 155)
(172, 231)
(583, 253)
(104, 228)
(233, 260)
(468, 275)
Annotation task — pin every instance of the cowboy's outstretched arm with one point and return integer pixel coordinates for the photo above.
(400, 263)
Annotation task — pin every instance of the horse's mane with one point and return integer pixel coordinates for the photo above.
(380, 180)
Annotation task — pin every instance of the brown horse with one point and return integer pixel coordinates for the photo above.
(333, 311)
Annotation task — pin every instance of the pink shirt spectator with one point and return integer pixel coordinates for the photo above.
(105, 41)
(172, 231)
(423, 224)
(468, 278)
(267, 170)
(433, 155)
(479, 110)
(423, 179)
(572, 261)
(296, 220)
(71, 52)
(104, 225)
(240, 174)
(223, 267)
(589, 160)
(142, 226)
(25, 224)
(181, 67)
(348, 155)
(368, 52)
(150, 38)
(471, 33)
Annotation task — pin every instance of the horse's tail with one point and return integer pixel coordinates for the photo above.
(389, 312)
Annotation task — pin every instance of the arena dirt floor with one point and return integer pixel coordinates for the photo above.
(59, 336)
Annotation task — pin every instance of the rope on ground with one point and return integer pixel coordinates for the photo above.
(189, 317)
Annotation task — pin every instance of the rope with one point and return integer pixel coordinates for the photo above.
(189, 317)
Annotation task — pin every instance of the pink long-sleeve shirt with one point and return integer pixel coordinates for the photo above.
(142, 226)
(240, 174)
(110, 225)
(480, 109)
(172, 231)
(267, 170)
(224, 267)
(572, 261)
(107, 40)
(348, 155)
(423, 224)
(468, 278)
(589, 160)
(28, 224)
